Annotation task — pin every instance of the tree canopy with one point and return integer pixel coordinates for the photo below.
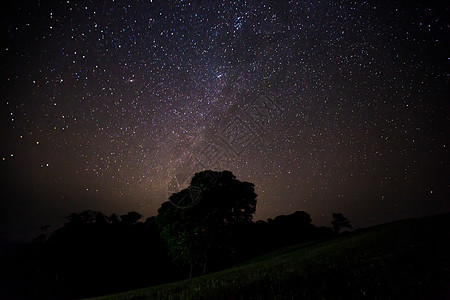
(203, 232)
(339, 222)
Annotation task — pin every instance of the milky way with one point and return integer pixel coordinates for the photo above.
(325, 106)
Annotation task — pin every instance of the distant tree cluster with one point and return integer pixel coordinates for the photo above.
(95, 254)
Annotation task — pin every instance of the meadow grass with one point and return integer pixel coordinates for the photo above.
(407, 259)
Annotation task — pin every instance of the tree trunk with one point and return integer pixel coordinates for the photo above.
(204, 268)
(190, 273)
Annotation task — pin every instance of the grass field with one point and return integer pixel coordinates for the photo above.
(408, 259)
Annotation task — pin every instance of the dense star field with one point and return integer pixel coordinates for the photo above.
(326, 106)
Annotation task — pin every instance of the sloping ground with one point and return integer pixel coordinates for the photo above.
(408, 259)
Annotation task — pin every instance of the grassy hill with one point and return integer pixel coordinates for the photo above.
(408, 259)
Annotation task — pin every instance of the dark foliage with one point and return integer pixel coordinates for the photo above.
(263, 236)
(203, 234)
(94, 254)
(339, 222)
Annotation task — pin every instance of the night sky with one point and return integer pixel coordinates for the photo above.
(325, 106)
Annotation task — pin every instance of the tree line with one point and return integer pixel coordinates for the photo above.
(203, 228)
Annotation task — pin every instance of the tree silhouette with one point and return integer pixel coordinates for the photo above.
(87, 217)
(339, 222)
(113, 219)
(203, 232)
(93, 254)
(130, 218)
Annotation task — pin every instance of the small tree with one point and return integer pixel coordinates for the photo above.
(339, 222)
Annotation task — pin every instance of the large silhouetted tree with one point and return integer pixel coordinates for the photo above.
(203, 232)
